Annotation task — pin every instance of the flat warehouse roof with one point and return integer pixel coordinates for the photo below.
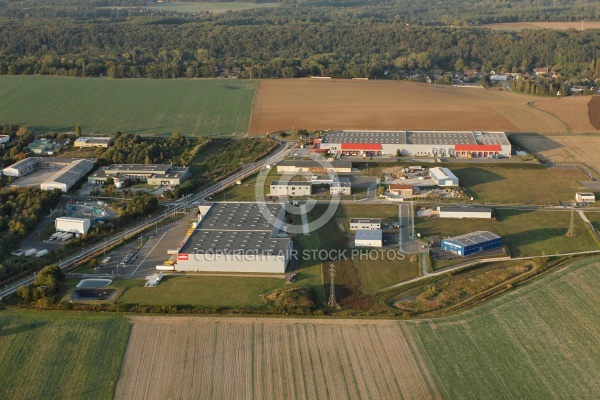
(474, 238)
(140, 168)
(71, 219)
(230, 227)
(375, 234)
(441, 138)
(291, 183)
(441, 173)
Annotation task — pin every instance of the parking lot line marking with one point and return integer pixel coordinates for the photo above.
(147, 254)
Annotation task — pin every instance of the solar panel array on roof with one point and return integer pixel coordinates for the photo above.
(446, 138)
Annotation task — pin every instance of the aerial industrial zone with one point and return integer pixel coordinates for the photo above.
(393, 224)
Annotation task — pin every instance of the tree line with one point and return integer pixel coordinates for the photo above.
(300, 38)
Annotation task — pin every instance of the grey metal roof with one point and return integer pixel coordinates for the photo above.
(238, 226)
(72, 172)
(375, 234)
(473, 238)
(138, 168)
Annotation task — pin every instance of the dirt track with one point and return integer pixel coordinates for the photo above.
(253, 358)
(384, 104)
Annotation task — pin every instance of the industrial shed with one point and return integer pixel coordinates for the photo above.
(290, 189)
(465, 212)
(236, 237)
(80, 226)
(443, 177)
(472, 243)
(22, 167)
(68, 176)
(369, 238)
(313, 166)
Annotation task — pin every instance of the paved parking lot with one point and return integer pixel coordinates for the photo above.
(153, 252)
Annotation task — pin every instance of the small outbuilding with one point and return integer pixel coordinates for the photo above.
(585, 197)
(401, 190)
(472, 243)
(368, 224)
(443, 177)
(80, 226)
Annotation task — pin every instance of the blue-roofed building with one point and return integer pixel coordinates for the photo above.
(472, 243)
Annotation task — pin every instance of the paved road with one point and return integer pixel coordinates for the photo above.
(279, 153)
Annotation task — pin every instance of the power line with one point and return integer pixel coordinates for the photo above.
(571, 231)
(332, 302)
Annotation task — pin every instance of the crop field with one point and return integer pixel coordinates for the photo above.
(521, 186)
(519, 26)
(351, 104)
(252, 358)
(60, 356)
(594, 112)
(564, 149)
(191, 107)
(209, 291)
(574, 111)
(527, 233)
(194, 7)
(537, 342)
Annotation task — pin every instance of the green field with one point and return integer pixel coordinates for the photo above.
(594, 218)
(528, 233)
(208, 291)
(194, 7)
(191, 107)
(537, 342)
(53, 355)
(521, 186)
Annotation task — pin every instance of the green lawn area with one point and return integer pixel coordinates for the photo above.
(528, 233)
(209, 291)
(522, 186)
(380, 273)
(53, 355)
(193, 7)
(537, 342)
(594, 218)
(146, 106)
(247, 190)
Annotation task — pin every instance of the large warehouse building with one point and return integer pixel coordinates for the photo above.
(472, 243)
(93, 142)
(369, 238)
(68, 176)
(415, 143)
(236, 237)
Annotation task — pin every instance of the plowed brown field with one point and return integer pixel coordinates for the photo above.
(283, 104)
(251, 358)
(572, 110)
(564, 149)
(594, 112)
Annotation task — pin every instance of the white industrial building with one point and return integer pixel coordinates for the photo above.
(79, 226)
(415, 143)
(465, 212)
(4, 139)
(314, 167)
(22, 167)
(236, 237)
(368, 238)
(357, 224)
(342, 188)
(68, 176)
(443, 177)
(585, 197)
(290, 188)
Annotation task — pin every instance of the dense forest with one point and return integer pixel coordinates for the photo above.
(352, 38)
